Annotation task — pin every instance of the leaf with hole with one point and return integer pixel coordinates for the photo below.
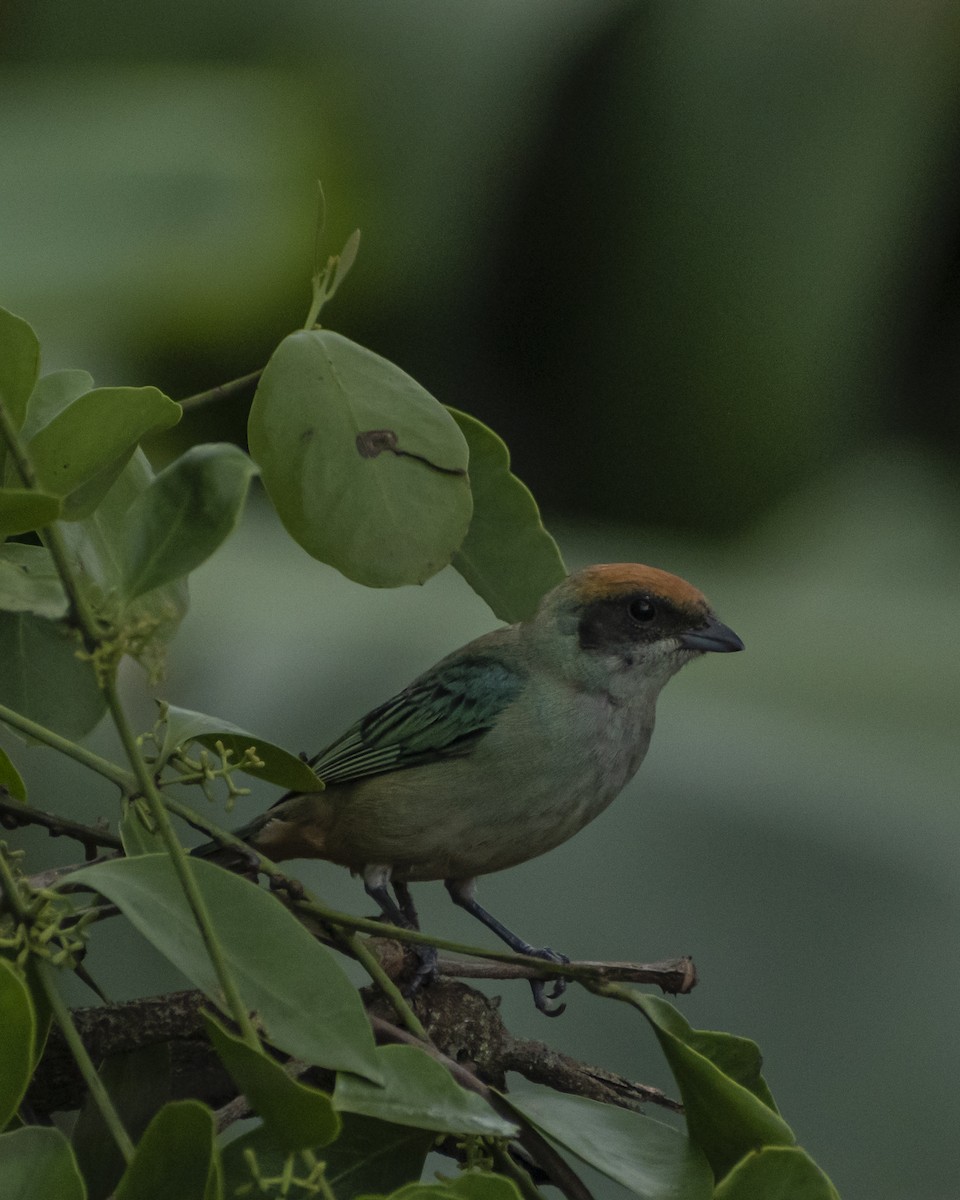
(366, 469)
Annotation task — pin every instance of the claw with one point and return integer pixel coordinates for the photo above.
(542, 1000)
(541, 997)
(425, 972)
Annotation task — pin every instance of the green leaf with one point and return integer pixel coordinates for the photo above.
(182, 517)
(374, 1156)
(507, 557)
(52, 394)
(29, 581)
(137, 831)
(303, 1000)
(776, 1173)
(482, 1185)
(298, 1117)
(726, 1117)
(420, 1191)
(18, 1031)
(94, 434)
(37, 1164)
(12, 783)
(653, 1160)
(23, 510)
(280, 766)
(738, 1057)
(366, 469)
(44, 679)
(43, 1014)
(369, 1156)
(418, 1091)
(95, 542)
(19, 366)
(94, 545)
(138, 1083)
(176, 1158)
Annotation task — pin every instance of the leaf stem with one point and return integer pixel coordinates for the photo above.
(71, 1036)
(84, 616)
(342, 928)
(11, 889)
(374, 969)
(92, 633)
(40, 733)
(18, 906)
(181, 866)
(223, 391)
(506, 1166)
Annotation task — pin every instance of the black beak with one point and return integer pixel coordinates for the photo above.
(714, 635)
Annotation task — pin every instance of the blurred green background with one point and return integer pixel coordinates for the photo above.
(697, 264)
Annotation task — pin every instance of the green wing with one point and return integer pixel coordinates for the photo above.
(441, 714)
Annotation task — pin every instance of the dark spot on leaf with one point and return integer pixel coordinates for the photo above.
(307, 435)
(373, 442)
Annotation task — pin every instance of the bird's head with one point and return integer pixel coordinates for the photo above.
(625, 628)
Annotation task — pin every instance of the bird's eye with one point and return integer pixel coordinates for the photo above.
(642, 610)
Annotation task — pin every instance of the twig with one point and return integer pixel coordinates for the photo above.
(14, 814)
(223, 391)
(124, 780)
(675, 976)
(540, 1063)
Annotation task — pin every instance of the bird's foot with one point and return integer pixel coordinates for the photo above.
(425, 971)
(541, 997)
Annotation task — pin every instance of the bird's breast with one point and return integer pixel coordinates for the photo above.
(526, 786)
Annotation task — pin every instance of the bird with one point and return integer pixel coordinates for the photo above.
(502, 751)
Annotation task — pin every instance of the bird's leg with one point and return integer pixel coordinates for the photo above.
(376, 878)
(462, 893)
(405, 900)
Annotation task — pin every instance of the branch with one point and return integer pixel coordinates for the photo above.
(464, 1025)
(674, 976)
(223, 391)
(14, 814)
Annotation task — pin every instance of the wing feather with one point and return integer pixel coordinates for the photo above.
(441, 714)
